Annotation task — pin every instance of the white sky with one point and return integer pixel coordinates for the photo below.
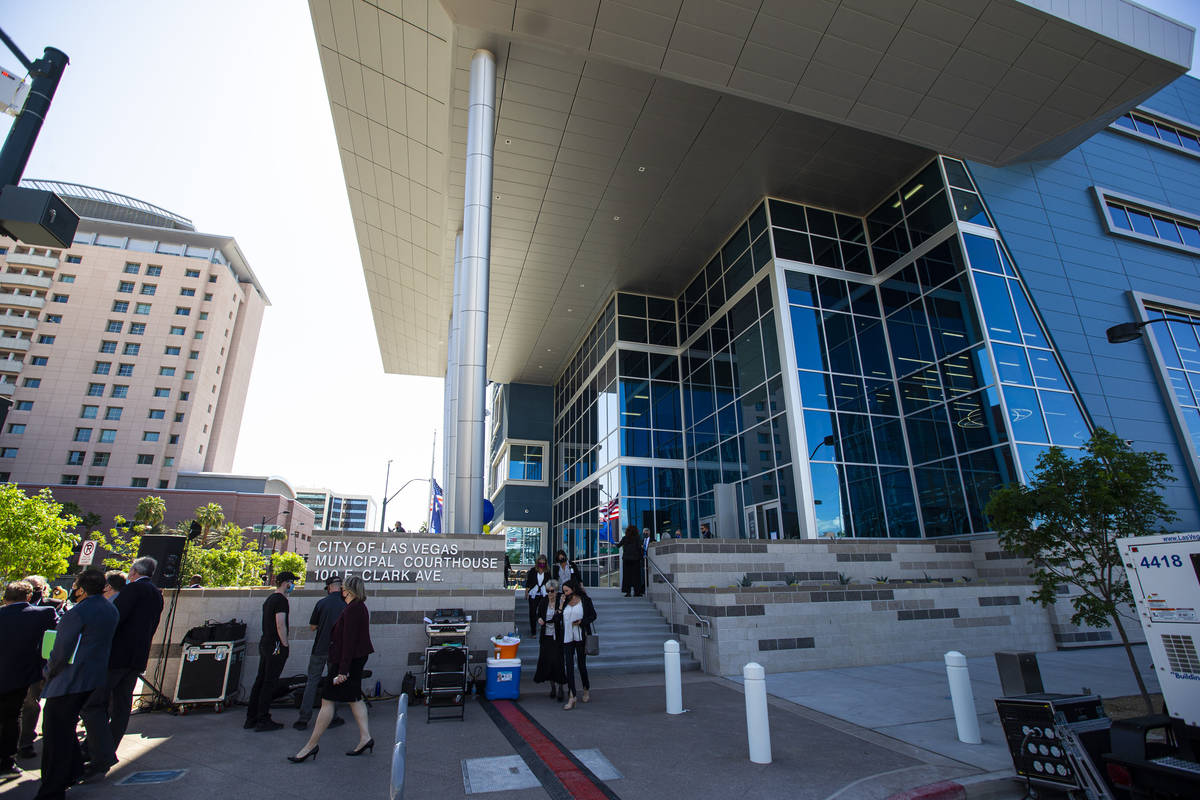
(216, 110)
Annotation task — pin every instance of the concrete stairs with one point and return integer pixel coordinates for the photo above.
(631, 632)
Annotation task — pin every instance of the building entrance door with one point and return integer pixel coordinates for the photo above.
(762, 521)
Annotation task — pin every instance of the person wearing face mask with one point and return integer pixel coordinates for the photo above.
(535, 590)
(32, 707)
(564, 569)
(273, 651)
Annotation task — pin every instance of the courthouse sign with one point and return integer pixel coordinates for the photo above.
(461, 560)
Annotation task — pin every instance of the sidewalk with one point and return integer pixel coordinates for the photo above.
(860, 734)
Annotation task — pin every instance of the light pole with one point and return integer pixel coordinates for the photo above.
(262, 529)
(828, 441)
(387, 499)
(383, 509)
(1128, 331)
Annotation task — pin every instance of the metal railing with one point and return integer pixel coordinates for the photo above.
(676, 599)
(399, 754)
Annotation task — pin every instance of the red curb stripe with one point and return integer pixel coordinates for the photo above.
(578, 784)
(942, 790)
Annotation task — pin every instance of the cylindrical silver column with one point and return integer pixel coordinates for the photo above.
(476, 252)
(450, 419)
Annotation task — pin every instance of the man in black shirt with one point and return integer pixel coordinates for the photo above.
(273, 651)
(325, 613)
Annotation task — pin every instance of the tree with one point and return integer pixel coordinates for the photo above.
(229, 561)
(277, 534)
(211, 517)
(1067, 522)
(150, 511)
(88, 519)
(291, 562)
(123, 541)
(35, 536)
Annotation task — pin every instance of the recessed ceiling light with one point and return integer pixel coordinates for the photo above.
(569, 310)
(581, 286)
(539, 366)
(548, 350)
(508, 141)
(617, 218)
(497, 197)
(641, 169)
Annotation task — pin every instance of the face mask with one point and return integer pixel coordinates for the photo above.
(291, 586)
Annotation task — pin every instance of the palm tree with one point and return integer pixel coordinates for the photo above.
(150, 511)
(211, 517)
(277, 534)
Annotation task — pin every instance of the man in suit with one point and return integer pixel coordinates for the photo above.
(32, 708)
(78, 665)
(106, 713)
(21, 628)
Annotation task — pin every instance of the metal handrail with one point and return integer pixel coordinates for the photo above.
(705, 621)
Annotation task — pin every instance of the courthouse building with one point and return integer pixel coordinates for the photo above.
(794, 270)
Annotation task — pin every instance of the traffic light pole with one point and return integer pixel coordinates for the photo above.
(47, 71)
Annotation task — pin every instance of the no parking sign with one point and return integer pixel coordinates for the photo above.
(87, 553)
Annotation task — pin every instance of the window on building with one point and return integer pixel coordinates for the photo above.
(142, 308)
(174, 439)
(179, 416)
(189, 375)
(185, 396)
(161, 392)
(1178, 135)
(203, 315)
(191, 273)
(145, 458)
(113, 326)
(178, 330)
(60, 298)
(212, 278)
(168, 461)
(525, 462)
(198, 335)
(157, 413)
(164, 483)
(83, 435)
(38, 361)
(53, 319)
(185, 292)
(75, 458)
(149, 288)
(16, 428)
(113, 412)
(8, 452)
(68, 480)
(65, 278)
(195, 354)
(74, 260)
(125, 370)
(181, 311)
(32, 383)
(139, 482)
(23, 405)
(95, 480)
(45, 339)
(207, 296)
(120, 306)
(101, 367)
(125, 287)
(100, 459)
(95, 390)
(168, 371)
(108, 347)
(149, 436)
(137, 328)
(119, 390)
(132, 349)
(153, 271)
(1151, 223)
(108, 435)
(171, 351)
(132, 269)
(89, 412)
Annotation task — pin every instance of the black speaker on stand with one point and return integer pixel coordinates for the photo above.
(168, 552)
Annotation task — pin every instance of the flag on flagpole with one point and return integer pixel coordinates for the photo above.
(435, 517)
(608, 512)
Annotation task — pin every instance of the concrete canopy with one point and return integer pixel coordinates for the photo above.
(633, 136)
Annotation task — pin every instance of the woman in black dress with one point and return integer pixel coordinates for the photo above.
(550, 663)
(349, 646)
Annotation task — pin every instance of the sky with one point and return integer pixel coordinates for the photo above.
(217, 110)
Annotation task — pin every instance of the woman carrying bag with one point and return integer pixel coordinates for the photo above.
(550, 657)
(578, 614)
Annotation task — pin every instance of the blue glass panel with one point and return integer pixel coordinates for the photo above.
(1142, 223)
(1125, 121)
(1031, 331)
(638, 481)
(968, 207)
(827, 499)
(775, 394)
(952, 317)
(754, 405)
(839, 336)
(983, 473)
(900, 504)
(834, 294)
(662, 333)
(863, 299)
(920, 389)
(631, 329)
(1012, 364)
(792, 246)
(817, 426)
(809, 338)
(702, 401)
(1194, 380)
(908, 331)
(635, 443)
(666, 405)
(1024, 414)
(1064, 419)
(780, 440)
(881, 397)
(704, 435)
(939, 265)
(866, 502)
(821, 222)
(1192, 418)
(1047, 371)
(789, 516)
(1191, 234)
(770, 344)
(899, 290)
(872, 347)
(1185, 342)
(815, 391)
(856, 258)
(733, 460)
(997, 308)
(1118, 216)
(826, 252)
(743, 313)
(733, 248)
(929, 436)
(747, 350)
(635, 403)
(787, 215)
(758, 221)
(631, 305)
(1029, 455)
(1145, 126)
(966, 372)
(982, 253)
(728, 421)
(928, 219)
(856, 438)
(887, 246)
(634, 363)
(668, 482)
(663, 367)
(887, 214)
(977, 420)
(848, 393)
(940, 493)
(1166, 346)
(889, 440)
(801, 288)
(758, 449)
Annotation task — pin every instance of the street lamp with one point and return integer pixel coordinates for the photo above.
(387, 499)
(828, 441)
(1128, 331)
(261, 529)
(383, 510)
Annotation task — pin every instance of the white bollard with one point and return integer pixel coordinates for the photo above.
(961, 698)
(673, 680)
(758, 729)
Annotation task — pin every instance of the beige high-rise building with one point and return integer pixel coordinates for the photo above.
(128, 354)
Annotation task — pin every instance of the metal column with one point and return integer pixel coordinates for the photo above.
(476, 253)
(449, 435)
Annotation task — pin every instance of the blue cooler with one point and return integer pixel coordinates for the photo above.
(503, 678)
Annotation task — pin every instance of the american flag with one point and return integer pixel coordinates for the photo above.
(435, 521)
(609, 512)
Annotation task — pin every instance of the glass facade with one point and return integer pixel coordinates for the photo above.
(899, 354)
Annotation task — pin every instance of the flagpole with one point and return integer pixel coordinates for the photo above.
(432, 458)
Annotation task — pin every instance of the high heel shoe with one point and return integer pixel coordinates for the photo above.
(310, 754)
(570, 704)
(370, 745)
(586, 696)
